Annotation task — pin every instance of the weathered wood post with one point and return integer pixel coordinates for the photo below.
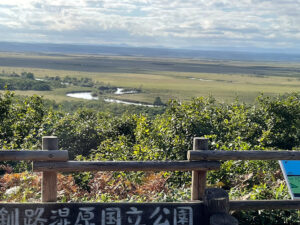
(199, 177)
(217, 205)
(49, 179)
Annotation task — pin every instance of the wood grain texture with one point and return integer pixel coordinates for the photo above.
(88, 213)
(243, 155)
(35, 155)
(199, 177)
(50, 143)
(49, 179)
(216, 200)
(79, 166)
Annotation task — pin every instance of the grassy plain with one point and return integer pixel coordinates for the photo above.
(168, 78)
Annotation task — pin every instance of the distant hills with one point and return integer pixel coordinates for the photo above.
(48, 48)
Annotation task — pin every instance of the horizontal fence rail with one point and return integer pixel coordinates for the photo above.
(211, 207)
(36, 155)
(264, 204)
(243, 155)
(78, 166)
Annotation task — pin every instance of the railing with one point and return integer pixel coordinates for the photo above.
(251, 155)
(213, 202)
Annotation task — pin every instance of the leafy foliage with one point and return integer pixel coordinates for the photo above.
(23, 84)
(271, 123)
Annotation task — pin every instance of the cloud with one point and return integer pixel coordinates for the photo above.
(173, 23)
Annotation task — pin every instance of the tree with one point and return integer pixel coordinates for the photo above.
(158, 101)
(28, 75)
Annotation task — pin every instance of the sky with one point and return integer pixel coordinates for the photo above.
(196, 24)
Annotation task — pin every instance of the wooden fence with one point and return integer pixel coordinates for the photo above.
(207, 206)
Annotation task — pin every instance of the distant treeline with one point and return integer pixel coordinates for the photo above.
(23, 84)
(67, 80)
(25, 81)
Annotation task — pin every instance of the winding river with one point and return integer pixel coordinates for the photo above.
(193, 78)
(126, 102)
(82, 95)
(120, 91)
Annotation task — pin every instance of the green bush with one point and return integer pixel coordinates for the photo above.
(271, 123)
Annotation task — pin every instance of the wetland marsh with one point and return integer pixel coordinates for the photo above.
(167, 78)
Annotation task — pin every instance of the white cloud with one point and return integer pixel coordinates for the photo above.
(169, 22)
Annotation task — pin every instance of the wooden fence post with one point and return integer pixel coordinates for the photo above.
(49, 179)
(217, 205)
(199, 177)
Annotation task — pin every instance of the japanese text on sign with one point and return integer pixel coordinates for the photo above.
(129, 215)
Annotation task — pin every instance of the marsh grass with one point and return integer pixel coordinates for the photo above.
(171, 84)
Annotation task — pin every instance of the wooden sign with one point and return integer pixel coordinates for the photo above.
(102, 214)
(291, 173)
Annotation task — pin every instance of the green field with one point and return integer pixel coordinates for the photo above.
(168, 78)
